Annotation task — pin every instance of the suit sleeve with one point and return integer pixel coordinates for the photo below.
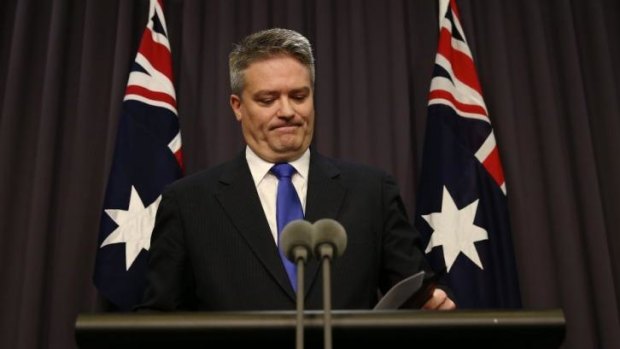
(402, 252)
(168, 279)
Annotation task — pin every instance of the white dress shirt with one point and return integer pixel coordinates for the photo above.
(267, 184)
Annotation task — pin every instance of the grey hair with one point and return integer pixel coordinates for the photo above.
(265, 44)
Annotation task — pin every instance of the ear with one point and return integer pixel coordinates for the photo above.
(235, 104)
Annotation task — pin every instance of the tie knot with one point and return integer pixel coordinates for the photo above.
(283, 170)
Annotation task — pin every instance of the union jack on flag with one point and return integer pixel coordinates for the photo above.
(147, 157)
(462, 210)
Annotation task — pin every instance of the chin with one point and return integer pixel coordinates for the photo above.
(287, 153)
(289, 144)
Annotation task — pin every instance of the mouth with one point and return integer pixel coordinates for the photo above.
(286, 128)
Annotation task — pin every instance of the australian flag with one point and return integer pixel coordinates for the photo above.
(147, 157)
(462, 211)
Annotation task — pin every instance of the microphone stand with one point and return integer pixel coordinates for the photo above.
(296, 245)
(302, 255)
(326, 250)
(329, 240)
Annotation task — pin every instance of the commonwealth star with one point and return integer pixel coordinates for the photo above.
(454, 229)
(135, 226)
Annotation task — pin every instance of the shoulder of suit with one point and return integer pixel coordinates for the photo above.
(349, 168)
(204, 177)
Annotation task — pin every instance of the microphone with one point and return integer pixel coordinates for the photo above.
(296, 245)
(329, 242)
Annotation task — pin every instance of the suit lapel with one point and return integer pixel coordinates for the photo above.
(324, 199)
(240, 200)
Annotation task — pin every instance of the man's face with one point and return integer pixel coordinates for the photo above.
(276, 108)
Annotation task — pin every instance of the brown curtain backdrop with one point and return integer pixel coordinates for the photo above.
(549, 74)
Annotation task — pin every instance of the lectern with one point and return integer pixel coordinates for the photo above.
(363, 329)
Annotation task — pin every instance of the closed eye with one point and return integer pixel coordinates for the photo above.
(265, 99)
(300, 95)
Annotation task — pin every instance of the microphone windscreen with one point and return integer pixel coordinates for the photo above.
(329, 231)
(296, 233)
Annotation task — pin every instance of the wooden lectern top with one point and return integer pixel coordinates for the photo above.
(407, 328)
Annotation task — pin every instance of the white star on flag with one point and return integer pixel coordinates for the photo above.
(454, 229)
(135, 226)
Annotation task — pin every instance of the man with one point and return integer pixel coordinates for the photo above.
(214, 246)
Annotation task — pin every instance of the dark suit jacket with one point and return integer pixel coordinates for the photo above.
(212, 248)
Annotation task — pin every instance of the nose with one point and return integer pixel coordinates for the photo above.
(286, 108)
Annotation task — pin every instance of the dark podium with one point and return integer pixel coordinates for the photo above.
(366, 329)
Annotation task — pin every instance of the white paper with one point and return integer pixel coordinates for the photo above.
(401, 292)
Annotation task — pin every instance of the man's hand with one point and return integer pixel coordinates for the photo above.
(439, 301)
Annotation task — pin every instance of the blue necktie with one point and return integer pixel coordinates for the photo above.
(288, 208)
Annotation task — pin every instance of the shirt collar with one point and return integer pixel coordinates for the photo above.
(260, 168)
